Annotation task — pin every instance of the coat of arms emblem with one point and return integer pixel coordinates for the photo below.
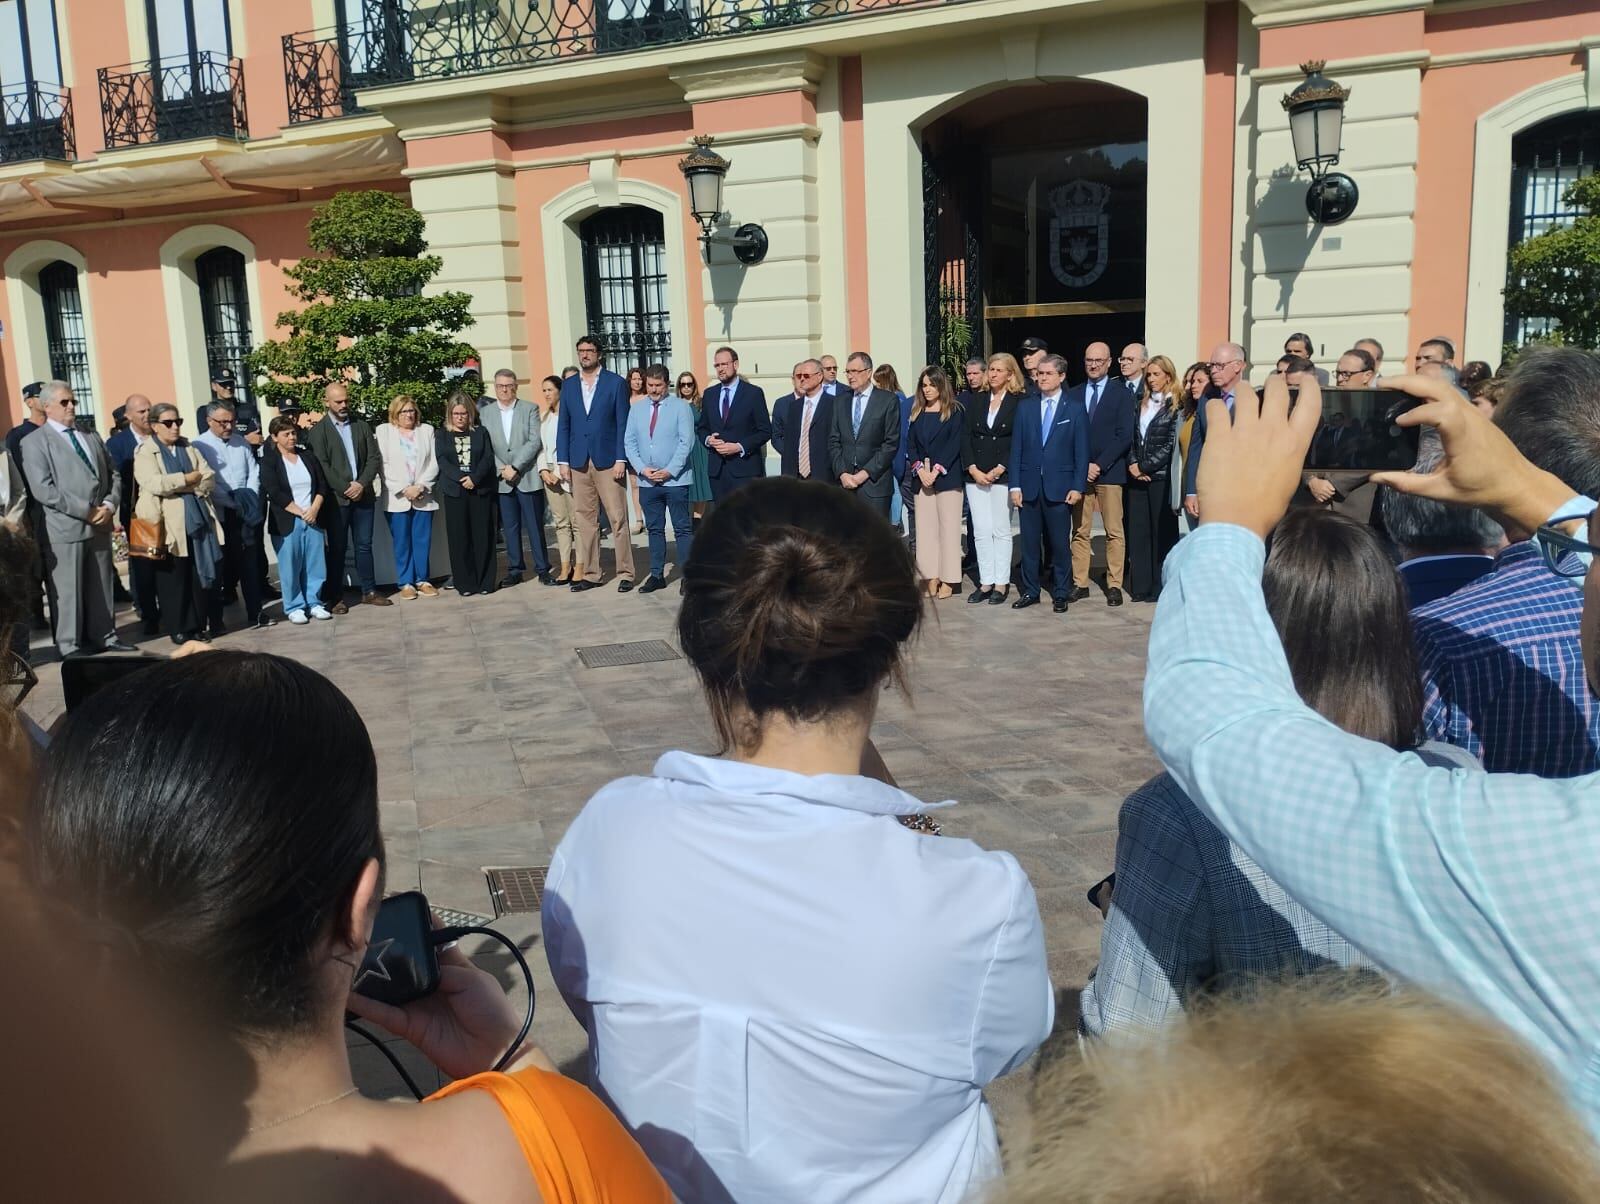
(1080, 232)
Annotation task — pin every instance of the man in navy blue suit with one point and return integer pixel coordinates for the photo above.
(1227, 366)
(1110, 407)
(800, 424)
(1048, 472)
(734, 425)
(590, 430)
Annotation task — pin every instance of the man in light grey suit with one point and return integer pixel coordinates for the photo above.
(513, 427)
(74, 484)
(865, 436)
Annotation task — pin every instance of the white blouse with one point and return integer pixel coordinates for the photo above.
(299, 480)
(1148, 411)
(789, 995)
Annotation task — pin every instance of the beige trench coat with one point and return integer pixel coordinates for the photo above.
(161, 494)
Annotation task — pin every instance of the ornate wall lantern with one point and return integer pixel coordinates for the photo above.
(1316, 124)
(705, 171)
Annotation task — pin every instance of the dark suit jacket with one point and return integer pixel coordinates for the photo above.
(275, 487)
(1152, 451)
(1197, 443)
(594, 437)
(480, 466)
(1431, 579)
(1058, 466)
(748, 424)
(1111, 429)
(121, 447)
(873, 451)
(901, 460)
(988, 446)
(324, 443)
(788, 416)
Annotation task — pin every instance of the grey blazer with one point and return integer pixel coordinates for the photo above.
(523, 449)
(68, 490)
(874, 448)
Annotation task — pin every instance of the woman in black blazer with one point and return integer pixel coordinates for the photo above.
(296, 490)
(467, 492)
(1152, 524)
(986, 450)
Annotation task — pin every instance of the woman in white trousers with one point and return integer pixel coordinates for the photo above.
(987, 451)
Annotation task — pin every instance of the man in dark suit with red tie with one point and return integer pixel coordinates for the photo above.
(734, 426)
(800, 424)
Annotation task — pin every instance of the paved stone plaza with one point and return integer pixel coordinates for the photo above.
(490, 735)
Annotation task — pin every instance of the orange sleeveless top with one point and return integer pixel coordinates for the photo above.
(578, 1151)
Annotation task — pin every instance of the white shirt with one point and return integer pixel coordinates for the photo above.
(789, 995)
(507, 414)
(299, 480)
(588, 385)
(1148, 411)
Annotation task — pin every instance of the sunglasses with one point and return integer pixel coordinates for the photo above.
(169, 421)
(221, 421)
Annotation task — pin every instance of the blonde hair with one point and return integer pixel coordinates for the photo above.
(398, 402)
(1015, 383)
(1316, 1091)
(1174, 385)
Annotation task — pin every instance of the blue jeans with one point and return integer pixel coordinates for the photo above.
(520, 510)
(352, 521)
(412, 533)
(301, 565)
(656, 500)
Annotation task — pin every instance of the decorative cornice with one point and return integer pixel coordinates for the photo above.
(760, 75)
(1273, 14)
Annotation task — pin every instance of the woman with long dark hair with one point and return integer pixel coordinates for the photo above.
(771, 928)
(246, 873)
(700, 473)
(936, 471)
(636, 394)
(557, 493)
(1189, 911)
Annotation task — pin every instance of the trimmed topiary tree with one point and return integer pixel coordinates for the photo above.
(1556, 274)
(366, 321)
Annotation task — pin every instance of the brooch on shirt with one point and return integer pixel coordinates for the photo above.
(925, 824)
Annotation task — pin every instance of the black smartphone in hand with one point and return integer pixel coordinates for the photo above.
(402, 963)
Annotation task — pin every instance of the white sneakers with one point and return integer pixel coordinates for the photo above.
(298, 618)
(321, 612)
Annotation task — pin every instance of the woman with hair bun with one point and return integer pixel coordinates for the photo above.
(794, 989)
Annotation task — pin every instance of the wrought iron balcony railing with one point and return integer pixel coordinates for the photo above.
(192, 96)
(432, 39)
(36, 123)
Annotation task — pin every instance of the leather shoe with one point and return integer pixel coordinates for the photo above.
(117, 646)
(264, 621)
(1060, 606)
(510, 580)
(624, 586)
(1113, 597)
(1078, 594)
(979, 595)
(375, 600)
(998, 597)
(651, 584)
(180, 639)
(339, 608)
(547, 578)
(1025, 601)
(218, 629)
(578, 587)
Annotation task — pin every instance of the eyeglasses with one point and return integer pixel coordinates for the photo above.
(413, 413)
(221, 421)
(17, 678)
(1342, 374)
(1215, 364)
(169, 421)
(1127, 359)
(1564, 555)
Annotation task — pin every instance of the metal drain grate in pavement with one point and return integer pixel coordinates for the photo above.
(460, 919)
(515, 889)
(641, 652)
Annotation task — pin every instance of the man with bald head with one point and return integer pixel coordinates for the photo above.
(1227, 366)
(801, 422)
(1111, 408)
(1131, 365)
(121, 447)
(347, 450)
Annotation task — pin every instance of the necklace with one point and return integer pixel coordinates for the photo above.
(283, 1120)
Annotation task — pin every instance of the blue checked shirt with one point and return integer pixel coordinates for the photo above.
(1502, 670)
(1479, 886)
(1191, 914)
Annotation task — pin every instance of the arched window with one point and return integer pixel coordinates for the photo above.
(65, 332)
(625, 286)
(225, 310)
(1545, 159)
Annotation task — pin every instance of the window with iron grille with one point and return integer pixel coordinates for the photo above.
(225, 311)
(1545, 160)
(65, 333)
(625, 286)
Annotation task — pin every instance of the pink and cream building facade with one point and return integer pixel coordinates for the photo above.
(932, 177)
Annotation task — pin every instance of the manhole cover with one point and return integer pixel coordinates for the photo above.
(515, 889)
(641, 652)
(460, 919)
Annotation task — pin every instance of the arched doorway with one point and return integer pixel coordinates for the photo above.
(1034, 221)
